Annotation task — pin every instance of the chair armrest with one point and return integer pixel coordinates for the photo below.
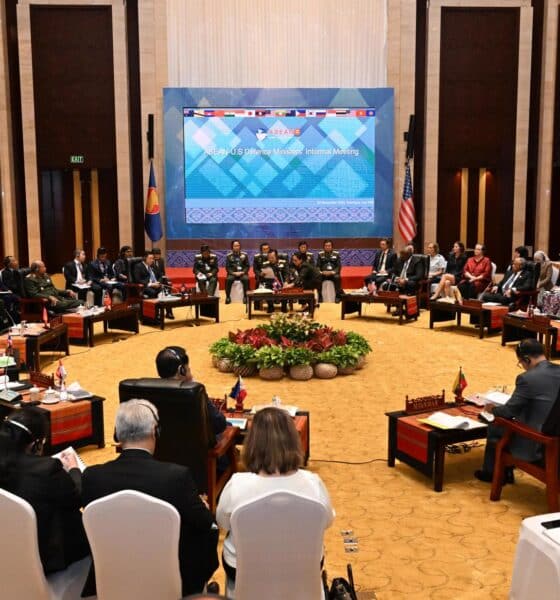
(33, 301)
(226, 441)
(517, 428)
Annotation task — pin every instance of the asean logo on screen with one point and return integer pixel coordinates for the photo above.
(262, 133)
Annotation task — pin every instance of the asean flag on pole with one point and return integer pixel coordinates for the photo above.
(152, 218)
(407, 214)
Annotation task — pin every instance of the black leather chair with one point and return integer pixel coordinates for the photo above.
(523, 299)
(133, 289)
(186, 435)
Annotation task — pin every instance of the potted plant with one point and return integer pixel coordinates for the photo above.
(324, 368)
(242, 357)
(221, 351)
(299, 360)
(360, 345)
(344, 357)
(270, 362)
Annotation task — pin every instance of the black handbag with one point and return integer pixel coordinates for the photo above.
(341, 589)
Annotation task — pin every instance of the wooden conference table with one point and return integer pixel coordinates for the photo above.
(407, 306)
(81, 325)
(77, 424)
(29, 344)
(421, 446)
(305, 296)
(154, 309)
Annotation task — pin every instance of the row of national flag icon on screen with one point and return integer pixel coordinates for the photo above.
(279, 112)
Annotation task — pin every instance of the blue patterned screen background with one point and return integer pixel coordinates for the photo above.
(289, 222)
(280, 167)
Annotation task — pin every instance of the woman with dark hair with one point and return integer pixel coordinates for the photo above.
(477, 274)
(51, 486)
(273, 456)
(453, 271)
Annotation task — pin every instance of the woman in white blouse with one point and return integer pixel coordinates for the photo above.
(273, 456)
(437, 262)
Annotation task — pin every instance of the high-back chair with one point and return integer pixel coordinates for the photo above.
(546, 470)
(279, 546)
(134, 539)
(21, 571)
(186, 437)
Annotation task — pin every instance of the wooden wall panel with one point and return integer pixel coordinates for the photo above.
(477, 120)
(449, 210)
(73, 85)
(554, 238)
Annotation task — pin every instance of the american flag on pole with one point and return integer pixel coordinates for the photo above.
(407, 214)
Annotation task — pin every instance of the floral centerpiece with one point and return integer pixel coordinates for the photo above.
(294, 344)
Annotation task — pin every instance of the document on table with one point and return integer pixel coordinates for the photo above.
(234, 422)
(498, 398)
(442, 420)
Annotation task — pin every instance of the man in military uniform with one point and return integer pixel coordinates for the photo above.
(328, 263)
(303, 251)
(205, 270)
(39, 285)
(258, 261)
(275, 274)
(237, 267)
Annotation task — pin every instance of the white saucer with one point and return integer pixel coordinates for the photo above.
(50, 401)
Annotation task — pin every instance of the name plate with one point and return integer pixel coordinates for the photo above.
(424, 403)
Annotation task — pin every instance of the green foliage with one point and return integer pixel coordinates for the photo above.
(270, 356)
(341, 356)
(297, 328)
(296, 356)
(242, 354)
(358, 343)
(222, 348)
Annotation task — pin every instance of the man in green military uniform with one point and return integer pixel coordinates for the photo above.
(237, 267)
(258, 261)
(39, 285)
(303, 251)
(328, 263)
(206, 270)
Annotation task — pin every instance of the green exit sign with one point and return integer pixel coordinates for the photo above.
(77, 159)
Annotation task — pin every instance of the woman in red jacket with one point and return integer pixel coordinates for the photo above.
(477, 274)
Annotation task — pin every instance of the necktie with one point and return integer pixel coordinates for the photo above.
(509, 283)
(152, 276)
(382, 263)
(404, 269)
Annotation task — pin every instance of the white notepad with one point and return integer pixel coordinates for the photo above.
(442, 420)
(81, 464)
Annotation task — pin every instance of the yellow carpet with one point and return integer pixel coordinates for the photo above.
(413, 542)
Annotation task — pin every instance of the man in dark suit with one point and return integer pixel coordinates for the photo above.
(173, 363)
(516, 279)
(11, 276)
(121, 264)
(145, 274)
(381, 266)
(11, 287)
(159, 266)
(407, 271)
(275, 273)
(534, 396)
(100, 272)
(136, 429)
(75, 274)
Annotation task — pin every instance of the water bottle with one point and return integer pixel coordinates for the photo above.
(90, 299)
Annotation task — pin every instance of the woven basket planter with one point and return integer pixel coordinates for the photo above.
(346, 370)
(301, 372)
(215, 361)
(224, 365)
(325, 370)
(272, 373)
(361, 362)
(247, 370)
